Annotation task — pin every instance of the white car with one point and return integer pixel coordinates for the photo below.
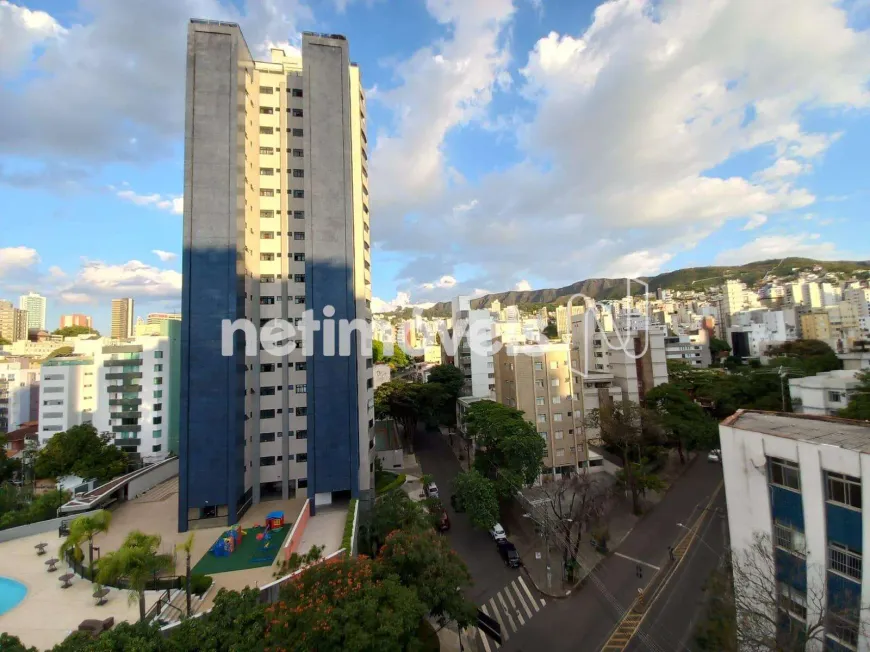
(714, 455)
(497, 533)
(432, 490)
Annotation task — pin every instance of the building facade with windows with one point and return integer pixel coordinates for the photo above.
(276, 223)
(122, 318)
(810, 472)
(35, 305)
(19, 392)
(473, 334)
(13, 322)
(76, 319)
(825, 393)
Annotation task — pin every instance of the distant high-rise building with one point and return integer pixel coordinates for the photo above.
(75, 319)
(122, 318)
(276, 223)
(157, 317)
(13, 322)
(34, 304)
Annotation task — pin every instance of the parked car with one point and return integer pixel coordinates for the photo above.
(444, 522)
(714, 455)
(509, 554)
(432, 490)
(497, 533)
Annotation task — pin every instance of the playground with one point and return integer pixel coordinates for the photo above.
(241, 548)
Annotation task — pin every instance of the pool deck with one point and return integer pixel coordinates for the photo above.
(48, 613)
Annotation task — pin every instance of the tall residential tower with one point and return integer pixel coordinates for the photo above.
(122, 318)
(34, 304)
(276, 222)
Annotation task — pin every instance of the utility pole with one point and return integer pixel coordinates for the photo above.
(782, 386)
(547, 549)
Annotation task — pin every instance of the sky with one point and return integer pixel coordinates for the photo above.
(513, 143)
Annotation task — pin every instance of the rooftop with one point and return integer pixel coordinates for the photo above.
(821, 430)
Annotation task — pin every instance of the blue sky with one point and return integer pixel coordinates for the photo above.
(514, 144)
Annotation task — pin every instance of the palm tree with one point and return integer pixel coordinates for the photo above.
(85, 528)
(137, 561)
(187, 549)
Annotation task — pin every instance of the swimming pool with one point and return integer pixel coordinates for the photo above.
(11, 593)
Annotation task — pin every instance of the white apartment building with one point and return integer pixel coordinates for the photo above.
(35, 305)
(824, 394)
(752, 332)
(474, 348)
(128, 388)
(563, 319)
(797, 482)
(733, 297)
(691, 348)
(19, 391)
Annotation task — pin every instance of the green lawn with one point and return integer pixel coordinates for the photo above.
(241, 557)
(385, 480)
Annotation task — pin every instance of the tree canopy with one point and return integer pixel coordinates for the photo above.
(81, 451)
(409, 403)
(683, 422)
(859, 403)
(72, 331)
(450, 378)
(476, 495)
(808, 357)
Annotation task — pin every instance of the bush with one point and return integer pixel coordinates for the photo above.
(398, 481)
(199, 584)
(348, 526)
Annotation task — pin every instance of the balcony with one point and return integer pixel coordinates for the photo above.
(127, 429)
(123, 443)
(129, 362)
(125, 415)
(125, 401)
(124, 375)
(120, 389)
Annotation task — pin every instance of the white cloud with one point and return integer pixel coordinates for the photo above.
(627, 120)
(442, 283)
(637, 263)
(17, 259)
(767, 247)
(783, 168)
(754, 222)
(523, 286)
(56, 272)
(76, 297)
(168, 203)
(132, 279)
(165, 256)
(20, 31)
(402, 300)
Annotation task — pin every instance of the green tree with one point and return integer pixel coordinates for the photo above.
(451, 380)
(510, 450)
(393, 511)
(4, 341)
(9, 643)
(719, 349)
(17, 508)
(377, 351)
(8, 467)
(344, 605)
(83, 452)
(73, 331)
(476, 495)
(551, 331)
(859, 403)
(684, 422)
(186, 547)
(399, 359)
(808, 357)
(236, 623)
(138, 562)
(59, 352)
(141, 637)
(85, 528)
(409, 403)
(424, 561)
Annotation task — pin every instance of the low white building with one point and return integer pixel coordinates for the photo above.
(795, 491)
(825, 393)
(67, 395)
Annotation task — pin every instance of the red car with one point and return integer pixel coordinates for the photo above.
(444, 521)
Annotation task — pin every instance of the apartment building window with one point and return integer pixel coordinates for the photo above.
(836, 397)
(267, 150)
(267, 110)
(789, 539)
(267, 130)
(267, 461)
(267, 391)
(539, 400)
(301, 411)
(299, 278)
(557, 416)
(267, 367)
(267, 192)
(298, 174)
(267, 301)
(557, 399)
(158, 381)
(157, 421)
(554, 382)
(267, 257)
(266, 90)
(539, 383)
(301, 457)
(539, 366)
(298, 215)
(299, 258)
(542, 418)
(267, 278)
(792, 601)
(267, 414)
(298, 153)
(158, 367)
(267, 172)
(267, 235)
(560, 452)
(301, 434)
(299, 300)
(297, 132)
(554, 364)
(158, 407)
(844, 561)
(266, 437)
(784, 473)
(158, 393)
(296, 113)
(295, 92)
(843, 629)
(157, 434)
(298, 194)
(843, 489)
(300, 366)
(156, 448)
(301, 389)
(158, 354)
(559, 434)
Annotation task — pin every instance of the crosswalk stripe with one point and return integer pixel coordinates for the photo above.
(510, 597)
(507, 612)
(529, 593)
(497, 616)
(485, 640)
(543, 602)
(520, 598)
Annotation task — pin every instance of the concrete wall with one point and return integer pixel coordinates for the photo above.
(152, 477)
(295, 536)
(33, 528)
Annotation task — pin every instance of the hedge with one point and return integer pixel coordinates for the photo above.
(398, 482)
(348, 526)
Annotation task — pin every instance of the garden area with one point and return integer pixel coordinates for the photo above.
(387, 481)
